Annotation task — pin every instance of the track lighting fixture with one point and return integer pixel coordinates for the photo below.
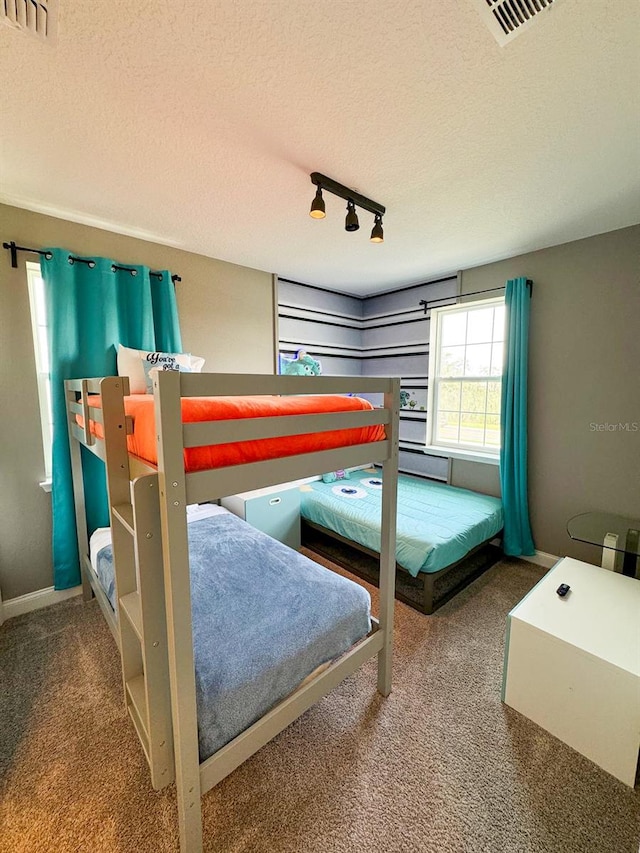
(317, 205)
(351, 222)
(377, 234)
(352, 198)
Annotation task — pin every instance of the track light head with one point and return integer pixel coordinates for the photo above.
(377, 234)
(351, 222)
(353, 198)
(317, 205)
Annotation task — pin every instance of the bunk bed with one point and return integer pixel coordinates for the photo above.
(148, 545)
(443, 533)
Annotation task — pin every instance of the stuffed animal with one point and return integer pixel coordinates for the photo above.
(302, 365)
(404, 399)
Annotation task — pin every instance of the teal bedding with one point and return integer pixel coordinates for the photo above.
(437, 524)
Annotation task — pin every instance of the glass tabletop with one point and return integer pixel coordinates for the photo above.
(593, 527)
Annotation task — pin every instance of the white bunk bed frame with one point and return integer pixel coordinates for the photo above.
(149, 534)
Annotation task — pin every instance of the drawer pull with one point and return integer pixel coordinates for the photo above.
(275, 501)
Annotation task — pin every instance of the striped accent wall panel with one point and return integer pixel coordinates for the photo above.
(382, 335)
(325, 323)
(407, 300)
(291, 294)
(396, 343)
(424, 465)
(412, 427)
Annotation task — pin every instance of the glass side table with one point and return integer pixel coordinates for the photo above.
(614, 533)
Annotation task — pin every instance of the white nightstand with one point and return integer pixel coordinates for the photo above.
(274, 510)
(572, 664)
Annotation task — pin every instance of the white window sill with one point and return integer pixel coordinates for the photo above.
(466, 455)
(45, 485)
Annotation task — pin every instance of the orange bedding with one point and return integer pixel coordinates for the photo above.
(142, 442)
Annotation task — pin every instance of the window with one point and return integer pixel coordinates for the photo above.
(465, 378)
(41, 349)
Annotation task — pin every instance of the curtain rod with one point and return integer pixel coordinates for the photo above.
(429, 302)
(14, 249)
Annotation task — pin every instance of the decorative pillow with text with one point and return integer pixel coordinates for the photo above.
(139, 366)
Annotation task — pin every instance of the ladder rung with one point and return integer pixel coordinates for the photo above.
(138, 708)
(124, 514)
(142, 734)
(130, 605)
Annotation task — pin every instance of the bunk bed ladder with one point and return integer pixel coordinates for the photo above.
(137, 554)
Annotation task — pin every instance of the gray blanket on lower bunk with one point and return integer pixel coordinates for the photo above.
(264, 617)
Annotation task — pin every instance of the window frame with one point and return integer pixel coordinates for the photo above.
(472, 453)
(43, 376)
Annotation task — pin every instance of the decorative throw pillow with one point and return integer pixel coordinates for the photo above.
(138, 364)
(332, 476)
(151, 369)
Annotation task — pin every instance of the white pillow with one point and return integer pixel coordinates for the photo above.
(138, 365)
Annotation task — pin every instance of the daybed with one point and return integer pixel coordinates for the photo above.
(162, 595)
(442, 532)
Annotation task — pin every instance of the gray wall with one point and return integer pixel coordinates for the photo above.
(477, 476)
(584, 370)
(226, 316)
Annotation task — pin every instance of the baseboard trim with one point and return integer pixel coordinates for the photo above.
(541, 558)
(34, 601)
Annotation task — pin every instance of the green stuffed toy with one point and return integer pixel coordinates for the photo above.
(302, 365)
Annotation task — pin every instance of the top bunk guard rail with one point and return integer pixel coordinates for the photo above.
(92, 386)
(249, 385)
(248, 429)
(202, 486)
(79, 393)
(85, 408)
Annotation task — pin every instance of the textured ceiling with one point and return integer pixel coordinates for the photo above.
(197, 125)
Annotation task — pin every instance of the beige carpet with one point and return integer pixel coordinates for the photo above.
(440, 766)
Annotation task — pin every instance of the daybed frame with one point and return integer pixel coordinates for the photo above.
(149, 529)
(423, 592)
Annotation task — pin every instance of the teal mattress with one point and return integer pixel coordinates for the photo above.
(437, 524)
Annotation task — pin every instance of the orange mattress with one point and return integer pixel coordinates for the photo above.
(142, 442)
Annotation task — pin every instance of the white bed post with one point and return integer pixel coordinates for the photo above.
(78, 490)
(171, 477)
(388, 544)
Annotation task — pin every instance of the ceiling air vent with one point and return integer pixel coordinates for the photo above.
(38, 17)
(507, 18)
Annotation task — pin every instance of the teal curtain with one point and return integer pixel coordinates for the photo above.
(91, 308)
(517, 540)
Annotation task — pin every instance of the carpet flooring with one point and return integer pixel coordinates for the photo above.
(440, 766)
